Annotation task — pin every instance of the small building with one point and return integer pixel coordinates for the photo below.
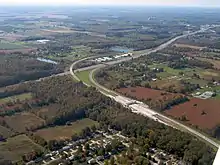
(43, 41)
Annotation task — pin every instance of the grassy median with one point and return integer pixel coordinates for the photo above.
(84, 76)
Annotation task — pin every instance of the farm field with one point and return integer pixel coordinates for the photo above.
(21, 97)
(216, 63)
(65, 132)
(11, 46)
(21, 122)
(142, 93)
(202, 113)
(24, 50)
(156, 99)
(14, 148)
(210, 74)
(165, 84)
(61, 30)
(145, 93)
(5, 132)
(47, 112)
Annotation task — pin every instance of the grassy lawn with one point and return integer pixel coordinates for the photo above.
(170, 71)
(21, 97)
(14, 148)
(84, 76)
(65, 132)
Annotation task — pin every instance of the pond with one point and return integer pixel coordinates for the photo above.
(120, 49)
(46, 60)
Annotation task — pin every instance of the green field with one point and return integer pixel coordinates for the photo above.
(84, 76)
(21, 97)
(11, 46)
(14, 148)
(65, 132)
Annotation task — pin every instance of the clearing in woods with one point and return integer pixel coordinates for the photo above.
(21, 97)
(65, 132)
(14, 148)
(21, 122)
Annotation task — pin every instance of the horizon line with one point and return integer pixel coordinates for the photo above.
(106, 5)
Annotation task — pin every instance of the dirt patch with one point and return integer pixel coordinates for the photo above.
(203, 113)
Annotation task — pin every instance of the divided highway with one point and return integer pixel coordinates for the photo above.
(137, 106)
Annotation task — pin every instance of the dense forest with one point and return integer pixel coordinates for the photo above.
(17, 68)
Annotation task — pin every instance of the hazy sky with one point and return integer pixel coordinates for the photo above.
(204, 3)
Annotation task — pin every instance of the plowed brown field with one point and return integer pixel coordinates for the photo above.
(147, 93)
(203, 113)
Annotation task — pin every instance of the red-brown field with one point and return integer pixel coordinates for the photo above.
(156, 99)
(203, 113)
(147, 93)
